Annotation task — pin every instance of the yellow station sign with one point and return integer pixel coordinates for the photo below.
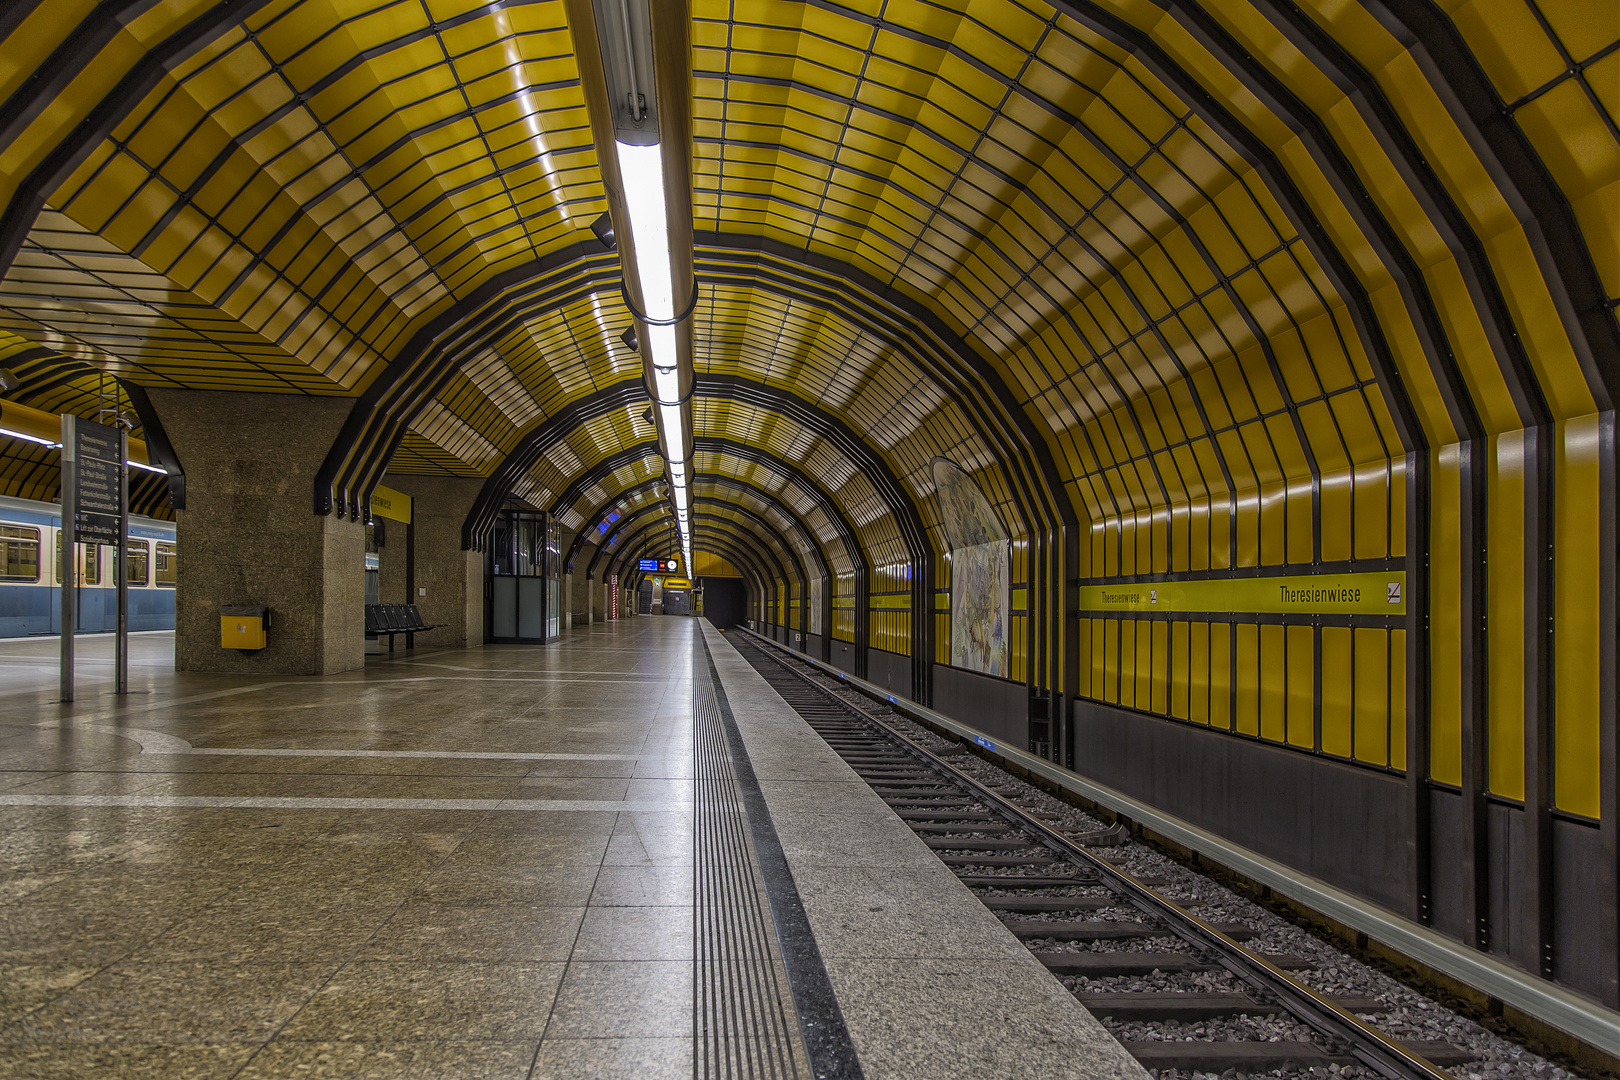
(1306, 594)
(388, 503)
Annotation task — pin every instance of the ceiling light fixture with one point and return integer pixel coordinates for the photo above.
(603, 228)
(641, 210)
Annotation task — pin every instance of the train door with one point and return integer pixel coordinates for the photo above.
(92, 604)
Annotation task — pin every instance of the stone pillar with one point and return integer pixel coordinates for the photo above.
(452, 577)
(248, 534)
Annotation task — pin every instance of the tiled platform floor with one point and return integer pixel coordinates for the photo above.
(345, 913)
(465, 864)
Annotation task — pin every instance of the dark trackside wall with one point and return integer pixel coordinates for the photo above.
(724, 602)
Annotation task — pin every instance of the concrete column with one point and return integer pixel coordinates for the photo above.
(577, 591)
(248, 534)
(453, 578)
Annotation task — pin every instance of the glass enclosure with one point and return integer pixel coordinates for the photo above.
(524, 578)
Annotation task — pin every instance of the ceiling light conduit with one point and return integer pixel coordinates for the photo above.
(639, 102)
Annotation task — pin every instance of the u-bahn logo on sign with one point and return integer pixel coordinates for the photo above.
(1394, 592)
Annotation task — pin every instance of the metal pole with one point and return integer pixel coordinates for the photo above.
(121, 570)
(66, 551)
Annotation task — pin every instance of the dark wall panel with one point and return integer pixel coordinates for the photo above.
(812, 645)
(1578, 912)
(890, 671)
(1447, 875)
(1342, 824)
(1505, 837)
(843, 656)
(994, 706)
(725, 601)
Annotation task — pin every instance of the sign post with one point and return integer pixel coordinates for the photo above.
(65, 568)
(121, 571)
(95, 510)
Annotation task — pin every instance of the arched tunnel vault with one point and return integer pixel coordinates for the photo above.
(1196, 290)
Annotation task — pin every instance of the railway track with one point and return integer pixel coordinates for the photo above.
(1084, 917)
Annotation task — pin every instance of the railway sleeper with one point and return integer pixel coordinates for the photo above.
(1101, 964)
(1186, 1008)
(1215, 1057)
(1107, 931)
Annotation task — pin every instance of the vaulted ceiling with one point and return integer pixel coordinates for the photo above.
(1127, 263)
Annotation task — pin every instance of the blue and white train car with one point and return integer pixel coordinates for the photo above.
(31, 573)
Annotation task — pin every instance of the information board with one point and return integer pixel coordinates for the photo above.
(98, 508)
(659, 566)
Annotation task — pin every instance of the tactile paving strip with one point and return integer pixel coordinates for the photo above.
(745, 1024)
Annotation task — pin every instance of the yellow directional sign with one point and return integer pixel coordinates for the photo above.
(1306, 594)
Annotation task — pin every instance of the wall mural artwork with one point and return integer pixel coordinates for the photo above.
(979, 571)
(815, 605)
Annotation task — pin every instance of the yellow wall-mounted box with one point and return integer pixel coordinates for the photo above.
(242, 626)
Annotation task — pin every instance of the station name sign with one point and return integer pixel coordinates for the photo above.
(660, 566)
(1382, 593)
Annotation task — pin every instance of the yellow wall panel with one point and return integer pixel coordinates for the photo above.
(1372, 696)
(1110, 679)
(1445, 618)
(1505, 600)
(1339, 519)
(1220, 676)
(1397, 698)
(1248, 678)
(1198, 673)
(1180, 668)
(1127, 663)
(1160, 669)
(1301, 523)
(1371, 512)
(1338, 691)
(1301, 685)
(1577, 622)
(1146, 662)
(1273, 683)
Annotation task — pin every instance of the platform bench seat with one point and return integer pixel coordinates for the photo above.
(387, 620)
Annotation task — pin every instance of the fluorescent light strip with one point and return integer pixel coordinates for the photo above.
(29, 438)
(641, 170)
(148, 468)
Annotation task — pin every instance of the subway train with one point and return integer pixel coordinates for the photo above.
(30, 582)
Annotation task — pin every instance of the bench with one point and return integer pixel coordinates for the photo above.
(387, 620)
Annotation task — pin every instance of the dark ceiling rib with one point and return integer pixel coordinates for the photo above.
(423, 368)
(1450, 63)
(131, 90)
(622, 543)
(789, 558)
(702, 445)
(378, 420)
(621, 527)
(1357, 201)
(1007, 426)
(159, 450)
(594, 522)
(769, 571)
(834, 430)
(1442, 211)
(769, 502)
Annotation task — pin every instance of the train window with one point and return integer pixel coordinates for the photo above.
(19, 553)
(139, 555)
(86, 556)
(168, 565)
